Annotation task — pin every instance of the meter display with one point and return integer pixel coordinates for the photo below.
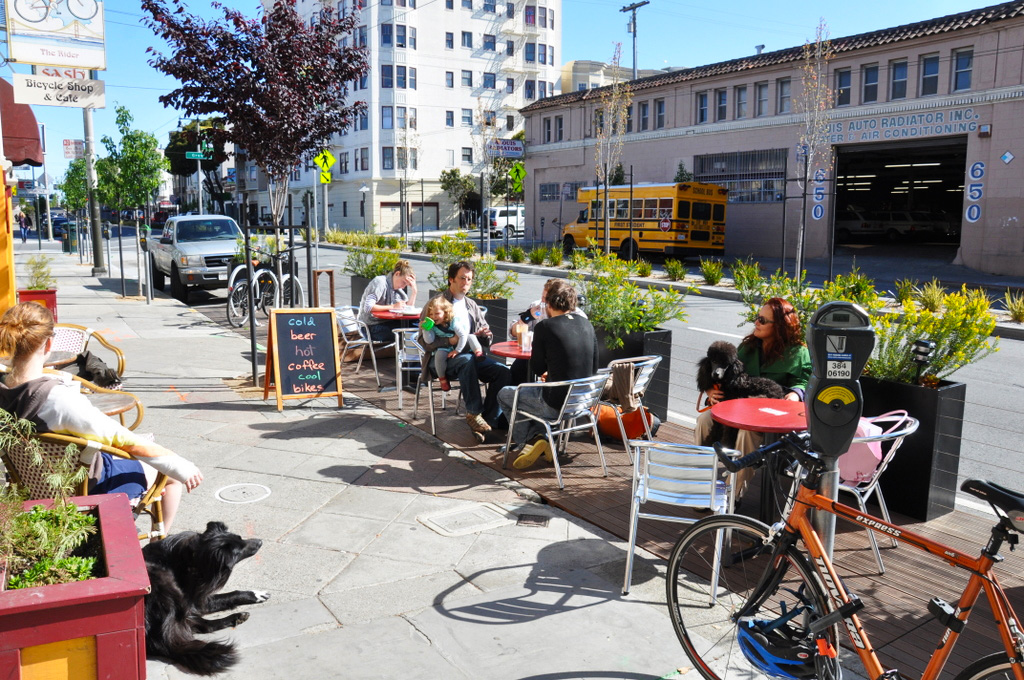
(840, 340)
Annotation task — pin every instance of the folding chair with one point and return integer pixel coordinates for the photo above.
(409, 357)
(18, 461)
(643, 372)
(580, 403)
(354, 334)
(684, 475)
(69, 337)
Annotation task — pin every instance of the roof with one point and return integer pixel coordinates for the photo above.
(920, 29)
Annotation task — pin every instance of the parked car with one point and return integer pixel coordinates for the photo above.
(856, 222)
(194, 251)
(904, 224)
(506, 221)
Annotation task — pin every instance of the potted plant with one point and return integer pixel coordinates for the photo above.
(628, 318)
(40, 287)
(365, 263)
(76, 578)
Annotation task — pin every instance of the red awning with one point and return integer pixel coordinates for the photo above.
(21, 133)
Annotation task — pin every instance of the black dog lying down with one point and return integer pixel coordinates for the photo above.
(722, 369)
(185, 570)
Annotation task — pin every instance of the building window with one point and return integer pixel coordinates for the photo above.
(412, 37)
(542, 17)
(343, 162)
(548, 191)
(385, 35)
(530, 89)
(546, 125)
(510, 10)
(450, 153)
(387, 121)
(721, 105)
(449, 119)
(963, 61)
(449, 4)
(489, 42)
(467, 78)
(490, 118)
(386, 75)
(750, 176)
(929, 75)
(364, 158)
(531, 15)
(489, 81)
(361, 36)
(510, 48)
(468, 4)
(400, 77)
(412, 78)
(400, 35)
(542, 89)
(702, 107)
(467, 154)
(467, 39)
(510, 122)
(551, 19)
(898, 80)
(643, 114)
(401, 119)
(869, 84)
(740, 95)
(760, 99)
(510, 85)
(629, 118)
(449, 79)
(467, 117)
(844, 86)
(387, 158)
(551, 55)
(490, 6)
(364, 121)
(783, 103)
(530, 52)
(542, 53)
(659, 114)
(558, 128)
(449, 41)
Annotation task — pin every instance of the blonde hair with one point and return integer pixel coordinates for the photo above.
(24, 328)
(439, 303)
(402, 267)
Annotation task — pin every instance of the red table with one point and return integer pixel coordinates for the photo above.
(509, 349)
(771, 416)
(412, 313)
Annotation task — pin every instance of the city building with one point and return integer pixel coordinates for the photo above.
(924, 136)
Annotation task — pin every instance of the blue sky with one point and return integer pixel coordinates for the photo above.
(669, 34)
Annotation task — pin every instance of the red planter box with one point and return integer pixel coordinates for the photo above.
(99, 623)
(47, 298)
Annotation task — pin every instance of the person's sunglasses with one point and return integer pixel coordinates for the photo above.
(763, 321)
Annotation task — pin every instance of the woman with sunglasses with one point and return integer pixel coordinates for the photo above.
(774, 350)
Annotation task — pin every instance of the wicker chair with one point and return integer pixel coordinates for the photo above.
(72, 338)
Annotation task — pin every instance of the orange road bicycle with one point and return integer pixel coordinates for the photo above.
(747, 602)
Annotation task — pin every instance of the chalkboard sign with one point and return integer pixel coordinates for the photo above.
(302, 355)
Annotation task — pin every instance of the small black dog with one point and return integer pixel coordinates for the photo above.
(722, 369)
(185, 570)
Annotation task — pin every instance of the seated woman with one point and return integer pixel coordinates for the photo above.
(564, 347)
(26, 335)
(527, 321)
(774, 350)
(384, 292)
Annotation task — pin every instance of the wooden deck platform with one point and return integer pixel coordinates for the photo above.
(895, 614)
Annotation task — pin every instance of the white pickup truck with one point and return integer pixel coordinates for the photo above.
(194, 251)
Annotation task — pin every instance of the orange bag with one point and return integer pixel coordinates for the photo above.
(608, 426)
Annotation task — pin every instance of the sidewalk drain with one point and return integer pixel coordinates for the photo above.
(242, 493)
(462, 521)
(533, 520)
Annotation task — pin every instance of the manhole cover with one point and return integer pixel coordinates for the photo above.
(470, 520)
(533, 520)
(243, 493)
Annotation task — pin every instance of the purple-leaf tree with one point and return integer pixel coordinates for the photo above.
(279, 82)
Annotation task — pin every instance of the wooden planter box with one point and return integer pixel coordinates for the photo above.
(921, 480)
(88, 629)
(657, 342)
(46, 297)
(359, 284)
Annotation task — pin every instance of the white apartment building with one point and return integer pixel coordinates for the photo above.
(444, 76)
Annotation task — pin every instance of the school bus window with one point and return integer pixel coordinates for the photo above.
(595, 209)
(683, 210)
(664, 207)
(638, 208)
(702, 211)
(583, 218)
(650, 208)
(622, 209)
(718, 212)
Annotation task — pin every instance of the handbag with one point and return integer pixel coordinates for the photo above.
(859, 463)
(633, 422)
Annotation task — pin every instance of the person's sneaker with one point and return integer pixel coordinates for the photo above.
(478, 425)
(445, 385)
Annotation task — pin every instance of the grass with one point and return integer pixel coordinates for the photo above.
(1014, 303)
(931, 296)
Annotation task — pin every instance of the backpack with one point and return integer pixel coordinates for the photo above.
(608, 425)
(859, 463)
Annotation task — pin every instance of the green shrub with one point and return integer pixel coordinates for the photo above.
(370, 262)
(906, 291)
(712, 270)
(39, 274)
(644, 268)
(489, 283)
(516, 254)
(746, 274)
(555, 256)
(675, 269)
(449, 249)
(417, 246)
(538, 255)
(500, 253)
(854, 287)
(932, 295)
(1014, 303)
(780, 284)
(432, 247)
(578, 259)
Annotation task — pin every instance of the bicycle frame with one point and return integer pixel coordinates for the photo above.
(798, 524)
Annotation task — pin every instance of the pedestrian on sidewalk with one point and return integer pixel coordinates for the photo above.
(26, 335)
(21, 227)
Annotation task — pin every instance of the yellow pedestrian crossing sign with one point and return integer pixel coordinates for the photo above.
(325, 177)
(517, 174)
(324, 159)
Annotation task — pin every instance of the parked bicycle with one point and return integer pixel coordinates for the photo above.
(746, 601)
(268, 291)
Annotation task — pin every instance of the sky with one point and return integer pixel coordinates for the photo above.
(669, 33)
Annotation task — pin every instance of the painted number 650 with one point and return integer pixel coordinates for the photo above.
(977, 170)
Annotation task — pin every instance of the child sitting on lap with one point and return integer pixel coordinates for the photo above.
(439, 322)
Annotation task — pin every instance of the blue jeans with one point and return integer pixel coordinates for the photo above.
(531, 400)
(470, 373)
(383, 331)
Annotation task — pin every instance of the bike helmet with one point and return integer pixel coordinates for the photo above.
(778, 649)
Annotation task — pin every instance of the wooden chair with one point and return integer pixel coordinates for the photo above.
(18, 462)
(72, 338)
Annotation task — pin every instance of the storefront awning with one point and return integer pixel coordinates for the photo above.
(21, 133)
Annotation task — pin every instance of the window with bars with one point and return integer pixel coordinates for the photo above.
(548, 191)
(750, 176)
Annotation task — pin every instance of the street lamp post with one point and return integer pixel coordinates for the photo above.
(362, 206)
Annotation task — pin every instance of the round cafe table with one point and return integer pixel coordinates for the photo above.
(412, 313)
(509, 349)
(771, 416)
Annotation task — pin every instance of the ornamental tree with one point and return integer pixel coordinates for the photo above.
(73, 186)
(130, 172)
(279, 83)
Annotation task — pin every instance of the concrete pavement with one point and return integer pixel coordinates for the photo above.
(386, 553)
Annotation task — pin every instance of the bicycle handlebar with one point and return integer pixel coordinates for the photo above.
(794, 442)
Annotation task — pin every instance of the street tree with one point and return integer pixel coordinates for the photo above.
(132, 167)
(458, 187)
(610, 124)
(682, 174)
(73, 186)
(279, 81)
(190, 139)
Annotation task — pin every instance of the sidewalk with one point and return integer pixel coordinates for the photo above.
(386, 554)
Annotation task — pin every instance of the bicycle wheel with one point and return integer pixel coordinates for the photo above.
(991, 667)
(266, 284)
(291, 289)
(704, 593)
(238, 303)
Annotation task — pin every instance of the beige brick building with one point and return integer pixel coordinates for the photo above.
(926, 121)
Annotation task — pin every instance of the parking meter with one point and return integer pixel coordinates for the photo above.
(146, 234)
(840, 340)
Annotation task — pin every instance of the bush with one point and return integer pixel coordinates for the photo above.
(712, 271)
(500, 253)
(578, 260)
(854, 287)
(644, 268)
(39, 274)
(488, 284)
(746, 274)
(1014, 303)
(370, 262)
(555, 256)
(432, 247)
(538, 255)
(417, 246)
(906, 291)
(449, 249)
(675, 269)
(932, 295)
(516, 254)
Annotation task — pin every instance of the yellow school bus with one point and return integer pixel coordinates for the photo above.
(683, 218)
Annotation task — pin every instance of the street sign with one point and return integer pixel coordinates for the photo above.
(325, 160)
(74, 148)
(504, 148)
(50, 91)
(665, 224)
(325, 177)
(517, 174)
(196, 156)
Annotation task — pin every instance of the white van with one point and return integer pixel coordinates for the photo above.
(511, 220)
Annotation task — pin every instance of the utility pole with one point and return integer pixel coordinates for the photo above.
(98, 266)
(199, 168)
(632, 26)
